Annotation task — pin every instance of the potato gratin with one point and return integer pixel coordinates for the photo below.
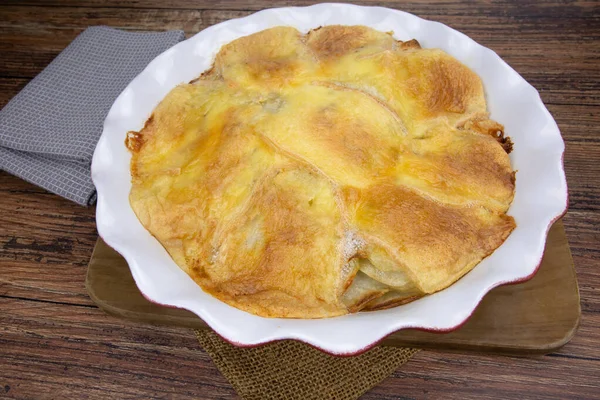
(310, 176)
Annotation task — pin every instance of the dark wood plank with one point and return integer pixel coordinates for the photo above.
(452, 7)
(45, 243)
(56, 351)
(582, 166)
(61, 350)
(31, 38)
(583, 231)
(40, 19)
(437, 376)
(10, 87)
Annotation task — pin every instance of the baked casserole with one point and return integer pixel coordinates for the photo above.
(311, 176)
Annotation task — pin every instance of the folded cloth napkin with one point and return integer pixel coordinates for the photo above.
(49, 130)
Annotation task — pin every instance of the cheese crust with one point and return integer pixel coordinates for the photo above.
(310, 176)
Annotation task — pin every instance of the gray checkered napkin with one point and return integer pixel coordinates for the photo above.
(49, 130)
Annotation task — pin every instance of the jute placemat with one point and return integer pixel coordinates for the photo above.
(290, 370)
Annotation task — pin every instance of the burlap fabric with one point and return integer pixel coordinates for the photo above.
(290, 370)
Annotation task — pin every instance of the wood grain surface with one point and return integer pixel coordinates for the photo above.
(538, 316)
(56, 344)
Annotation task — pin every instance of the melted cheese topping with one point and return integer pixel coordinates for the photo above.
(312, 176)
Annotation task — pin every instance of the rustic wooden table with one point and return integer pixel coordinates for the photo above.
(55, 343)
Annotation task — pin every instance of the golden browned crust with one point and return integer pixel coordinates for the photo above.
(308, 176)
(330, 43)
(389, 300)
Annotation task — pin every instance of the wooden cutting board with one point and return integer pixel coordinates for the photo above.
(537, 316)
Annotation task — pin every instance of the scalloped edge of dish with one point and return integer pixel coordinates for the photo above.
(106, 215)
